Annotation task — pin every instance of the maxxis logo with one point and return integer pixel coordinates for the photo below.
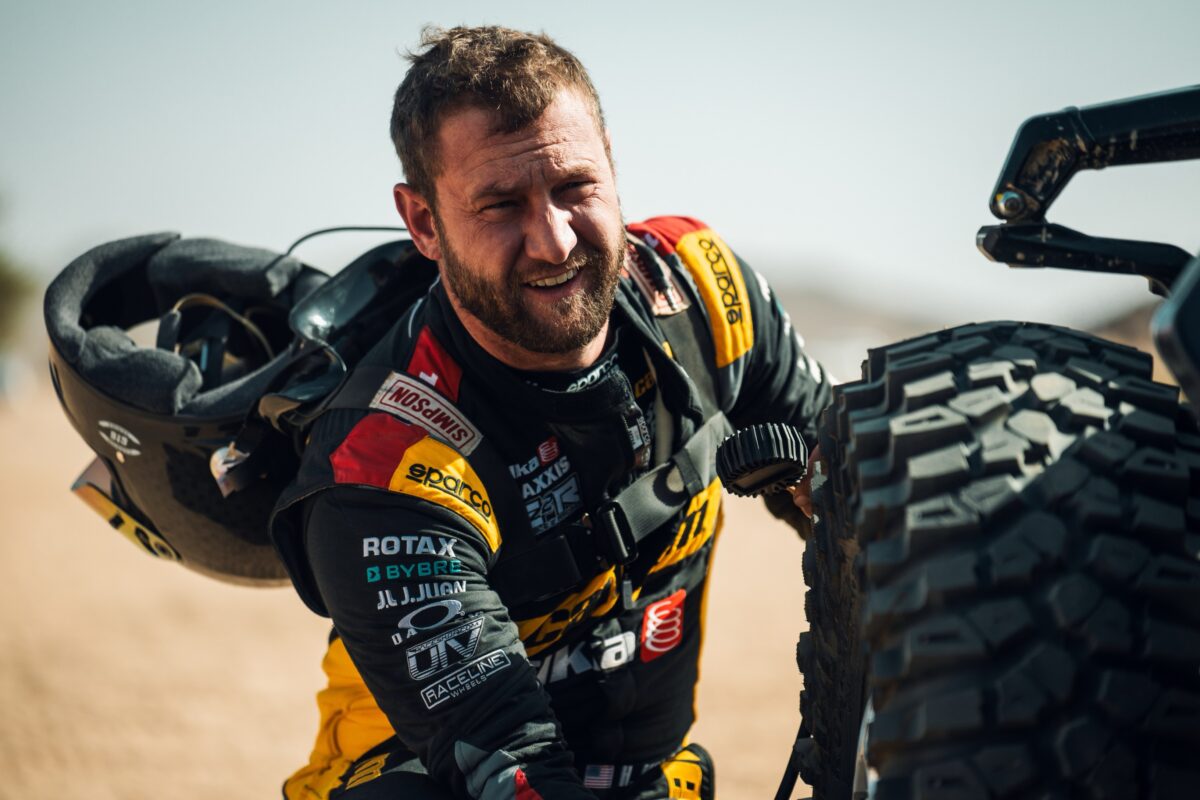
(662, 626)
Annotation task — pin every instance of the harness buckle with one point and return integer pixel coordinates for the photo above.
(613, 534)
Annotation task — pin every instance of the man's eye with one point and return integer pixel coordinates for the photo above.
(574, 188)
(499, 205)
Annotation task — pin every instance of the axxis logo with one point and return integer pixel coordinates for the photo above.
(662, 626)
(443, 651)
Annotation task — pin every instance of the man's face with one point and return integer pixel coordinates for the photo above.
(529, 226)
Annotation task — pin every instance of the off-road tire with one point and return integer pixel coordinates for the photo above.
(1027, 504)
(830, 653)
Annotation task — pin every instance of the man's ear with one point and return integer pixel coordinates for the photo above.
(418, 217)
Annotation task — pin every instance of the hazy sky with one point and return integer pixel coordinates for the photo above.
(846, 146)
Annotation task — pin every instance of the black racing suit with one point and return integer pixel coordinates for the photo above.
(445, 517)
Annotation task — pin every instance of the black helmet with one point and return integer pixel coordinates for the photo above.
(156, 415)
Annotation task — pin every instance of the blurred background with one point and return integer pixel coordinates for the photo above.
(845, 150)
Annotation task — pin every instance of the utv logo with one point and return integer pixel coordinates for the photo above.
(443, 651)
(413, 400)
(464, 679)
(120, 438)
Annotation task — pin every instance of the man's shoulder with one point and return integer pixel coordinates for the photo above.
(714, 271)
(664, 233)
(387, 452)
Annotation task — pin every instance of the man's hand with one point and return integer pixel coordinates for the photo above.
(802, 491)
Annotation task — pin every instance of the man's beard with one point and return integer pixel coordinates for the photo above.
(504, 308)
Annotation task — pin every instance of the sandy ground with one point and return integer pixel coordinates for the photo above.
(123, 677)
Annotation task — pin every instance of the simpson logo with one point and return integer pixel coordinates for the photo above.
(444, 651)
(414, 400)
(662, 626)
(426, 618)
(719, 278)
(432, 471)
(464, 679)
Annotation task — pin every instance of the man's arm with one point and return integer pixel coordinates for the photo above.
(782, 383)
(406, 584)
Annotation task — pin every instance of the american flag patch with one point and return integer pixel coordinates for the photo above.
(598, 776)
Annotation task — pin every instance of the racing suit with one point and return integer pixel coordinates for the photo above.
(500, 586)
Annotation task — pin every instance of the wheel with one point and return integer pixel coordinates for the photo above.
(1025, 508)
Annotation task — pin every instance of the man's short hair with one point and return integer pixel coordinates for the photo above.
(512, 73)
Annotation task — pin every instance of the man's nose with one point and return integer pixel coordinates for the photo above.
(549, 236)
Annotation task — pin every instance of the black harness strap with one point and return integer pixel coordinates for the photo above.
(611, 534)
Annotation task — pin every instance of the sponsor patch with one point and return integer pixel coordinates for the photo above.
(426, 618)
(415, 400)
(417, 569)
(576, 659)
(407, 595)
(464, 679)
(415, 545)
(719, 278)
(444, 651)
(434, 472)
(556, 505)
(662, 626)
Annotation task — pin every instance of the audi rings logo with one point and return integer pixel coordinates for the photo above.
(426, 618)
(662, 626)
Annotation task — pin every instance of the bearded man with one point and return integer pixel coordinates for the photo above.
(509, 513)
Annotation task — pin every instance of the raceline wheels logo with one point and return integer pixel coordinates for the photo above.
(465, 679)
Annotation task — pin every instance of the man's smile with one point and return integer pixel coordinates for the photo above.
(554, 280)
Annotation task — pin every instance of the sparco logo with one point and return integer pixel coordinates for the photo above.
(452, 485)
(443, 651)
(662, 626)
(730, 299)
(415, 401)
(464, 679)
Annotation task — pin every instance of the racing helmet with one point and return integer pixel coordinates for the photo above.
(155, 414)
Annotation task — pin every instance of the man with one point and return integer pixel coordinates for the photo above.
(509, 514)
